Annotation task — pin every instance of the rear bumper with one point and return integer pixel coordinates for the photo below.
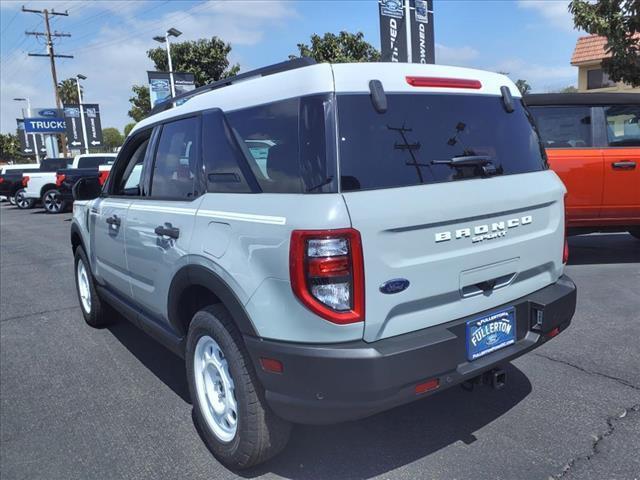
(337, 382)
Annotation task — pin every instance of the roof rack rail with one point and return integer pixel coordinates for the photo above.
(260, 72)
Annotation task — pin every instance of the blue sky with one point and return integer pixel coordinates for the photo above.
(529, 39)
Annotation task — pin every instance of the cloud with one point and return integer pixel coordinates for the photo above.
(113, 57)
(459, 56)
(540, 77)
(554, 12)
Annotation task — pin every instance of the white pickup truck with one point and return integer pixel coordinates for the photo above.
(42, 186)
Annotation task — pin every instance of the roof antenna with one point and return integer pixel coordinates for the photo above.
(507, 99)
(378, 97)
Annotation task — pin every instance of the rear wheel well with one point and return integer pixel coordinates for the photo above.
(191, 300)
(46, 188)
(76, 241)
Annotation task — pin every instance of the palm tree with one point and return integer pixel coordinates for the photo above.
(68, 91)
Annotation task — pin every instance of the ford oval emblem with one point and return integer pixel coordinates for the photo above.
(48, 113)
(396, 285)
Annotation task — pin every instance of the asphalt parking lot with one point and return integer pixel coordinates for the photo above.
(79, 403)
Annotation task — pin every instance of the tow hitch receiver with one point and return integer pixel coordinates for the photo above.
(496, 378)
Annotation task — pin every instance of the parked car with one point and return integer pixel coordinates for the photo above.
(593, 144)
(96, 165)
(11, 182)
(42, 186)
(45, 169)
(407, 237)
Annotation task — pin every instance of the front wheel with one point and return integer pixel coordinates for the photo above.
(22, 202)
(52, 202)
(635, 232)
(229, 407)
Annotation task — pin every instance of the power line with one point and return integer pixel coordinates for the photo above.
(51, 54)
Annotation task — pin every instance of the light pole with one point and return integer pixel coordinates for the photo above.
(33, 135)
(84, 126)
(172, 32)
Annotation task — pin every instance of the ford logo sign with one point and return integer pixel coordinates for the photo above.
(396, 285)
(48, 113)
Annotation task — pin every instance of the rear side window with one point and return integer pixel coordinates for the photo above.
(564, 127)
(623, 125)
(287, 142)
(397, 148)
(175, 170)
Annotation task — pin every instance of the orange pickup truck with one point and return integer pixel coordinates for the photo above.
(593, 144)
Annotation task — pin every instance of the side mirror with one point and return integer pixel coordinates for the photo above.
(87, 189)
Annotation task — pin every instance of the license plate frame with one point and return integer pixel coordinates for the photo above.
(490, 333)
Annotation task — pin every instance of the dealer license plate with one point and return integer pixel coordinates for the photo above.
(490, 333)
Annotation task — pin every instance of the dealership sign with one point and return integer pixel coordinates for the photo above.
(29, 143)
(45, 125)
(75, 137)
(396, 29)
(160, 85)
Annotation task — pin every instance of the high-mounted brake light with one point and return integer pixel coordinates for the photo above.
(60, 179)
(444, 82)
(25, 180)
(102, 176)
(327, 273)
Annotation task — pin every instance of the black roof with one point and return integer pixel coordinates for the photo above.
(582, 98)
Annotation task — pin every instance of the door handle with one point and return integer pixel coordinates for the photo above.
(114, 220)
(167, 230)
(624, 165)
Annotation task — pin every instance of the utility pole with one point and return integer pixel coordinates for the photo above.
(52, 56)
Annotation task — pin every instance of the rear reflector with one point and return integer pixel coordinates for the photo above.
(60, 179)
(444, 82)
(271, 365)
(553, 333)
(25, 180)
(427, 386)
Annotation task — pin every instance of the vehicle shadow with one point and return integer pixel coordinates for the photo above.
(603, 249)
(376, 445)
(163, 363)
(364, 448)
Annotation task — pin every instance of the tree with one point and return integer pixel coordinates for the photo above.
(9, 147)
(207, 59)
(112, 138)
(128, 127)
(140, 102)
(523, 86)
(68, 91)
(569, 89)
(341, 48)
(618, 21)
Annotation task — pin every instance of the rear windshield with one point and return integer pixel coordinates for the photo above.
(92, 162)
(396, 148)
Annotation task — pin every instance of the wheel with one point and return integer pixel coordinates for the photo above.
(23, 202)
(229, 407)
(94, 311)
(52, 201)
(635, 231)
(12, 200)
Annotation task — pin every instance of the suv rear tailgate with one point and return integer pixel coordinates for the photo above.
(399, 227)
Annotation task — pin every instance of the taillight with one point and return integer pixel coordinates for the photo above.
(60, 178)
(1, 179)
(327, 273)
(25, 180)
(102, 176)
(444, 82)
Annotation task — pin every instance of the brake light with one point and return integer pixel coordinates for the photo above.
(444, 82)
(60, 178)
(25, 180)
(327, 273)
(1, 179)
(102, 176)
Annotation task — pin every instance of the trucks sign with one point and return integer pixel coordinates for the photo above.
(45, 125)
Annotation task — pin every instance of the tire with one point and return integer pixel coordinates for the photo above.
(95, 312)
(23, 203)
(12, 200)
(254, 434)
(635, 231)
(52, 201)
